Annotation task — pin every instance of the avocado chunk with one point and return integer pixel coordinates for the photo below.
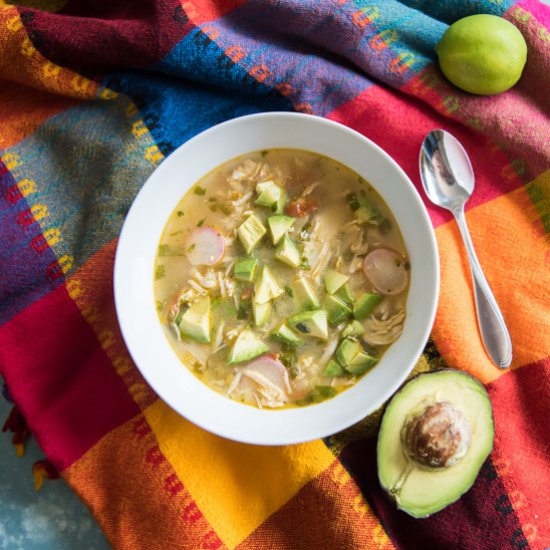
(246, 347)
(336, 309)
(304, 296)
(278, 226)
(285, 336)
(355, 328)
(261, 313)
(333, 369)
(245, 270)
(310, 323)
(365, 304)
(347, 350)
(361, 363)
(424, 474)
(251, 232)
(366, 213)
(334, 280)
(345, 294)
(195, 323)
(266, 287)
(270, 195)
(288, 253)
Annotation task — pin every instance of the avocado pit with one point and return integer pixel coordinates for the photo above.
(437, 437)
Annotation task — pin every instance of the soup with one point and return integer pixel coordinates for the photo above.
(281, 278)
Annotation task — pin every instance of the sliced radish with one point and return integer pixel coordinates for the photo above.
(386, 270)
(270, 368)
(205, 246)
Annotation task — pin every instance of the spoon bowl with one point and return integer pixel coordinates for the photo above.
(447, 173)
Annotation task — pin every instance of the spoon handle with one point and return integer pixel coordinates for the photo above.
(494, 333)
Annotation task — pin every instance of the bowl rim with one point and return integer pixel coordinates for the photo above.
(127, 281)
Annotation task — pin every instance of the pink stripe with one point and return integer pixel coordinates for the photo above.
(536, 8)
(61, 379)
(399, 125)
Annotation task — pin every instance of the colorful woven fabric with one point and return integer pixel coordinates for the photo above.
(93, 96)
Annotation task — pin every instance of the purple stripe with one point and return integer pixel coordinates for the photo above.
(28, 266)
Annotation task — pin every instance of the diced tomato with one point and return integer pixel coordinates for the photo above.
(301, 207)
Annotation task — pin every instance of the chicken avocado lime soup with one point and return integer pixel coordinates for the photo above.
(281, 278)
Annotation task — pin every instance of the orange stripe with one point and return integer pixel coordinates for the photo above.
(21, 62)
(23, 109)
(139, 501)
(344, 520)
(514, 251)
(94, 299)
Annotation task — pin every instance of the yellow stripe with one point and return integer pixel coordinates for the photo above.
(236, 486)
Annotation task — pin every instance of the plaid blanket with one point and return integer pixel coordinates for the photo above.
(94, 95)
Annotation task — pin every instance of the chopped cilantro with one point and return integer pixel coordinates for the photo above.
(159, 272)
(166, 250)
(198, 190)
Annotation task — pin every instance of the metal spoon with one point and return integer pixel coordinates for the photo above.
(448, 180)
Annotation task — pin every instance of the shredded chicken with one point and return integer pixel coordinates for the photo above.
(380, 332)
(329, 350)
(309, 189)
(196, 287)
(234, 383)
(222, 284)
(208, 280)
(218, 339)
(245, 198)
(196, 351)
(267, 389)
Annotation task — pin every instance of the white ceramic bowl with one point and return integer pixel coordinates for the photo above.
(133, 279)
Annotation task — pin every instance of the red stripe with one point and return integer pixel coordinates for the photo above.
(521, 406)
(399, 127)
(61, 379)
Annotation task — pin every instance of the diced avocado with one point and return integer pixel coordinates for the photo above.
(336, 309)
(366, 213)
(321, 393)
(287, 252)
(284, 335)
(195, 322)
(266, 287)
(246, 347)
(251, 232)
(269, 194)
(312, 323)
(333, 369)
(365, 304)
(304, 296)
(347, 350)
(261, 313)
(361, 363)
(278, 226)
(245, 270)
(334, 280)
(355, 328)
(345, 294)
(364, 210)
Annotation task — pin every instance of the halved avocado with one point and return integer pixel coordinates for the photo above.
(435, 435)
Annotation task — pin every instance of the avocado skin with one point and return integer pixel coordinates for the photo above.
(383, 428)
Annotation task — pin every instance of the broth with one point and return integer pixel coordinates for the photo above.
(281, 278)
